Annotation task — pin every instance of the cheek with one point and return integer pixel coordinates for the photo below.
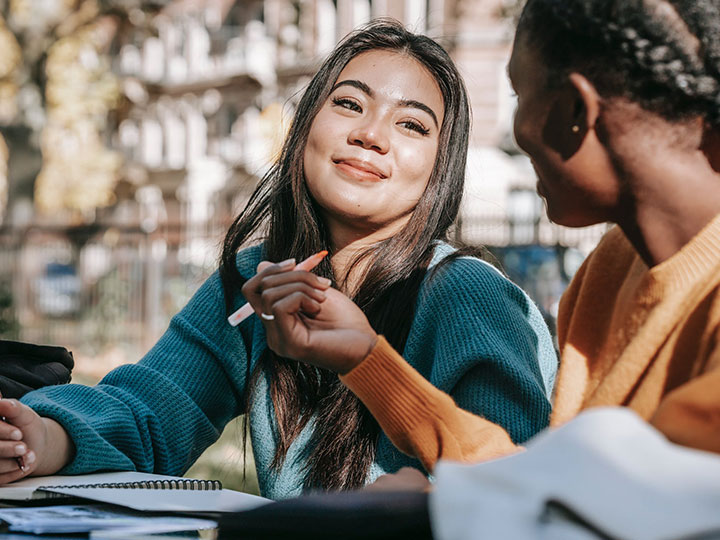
(417, 165)
(523, 136)
(527, 129)
(315, 149)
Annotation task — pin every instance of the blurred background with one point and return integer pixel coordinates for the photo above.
(132, 131)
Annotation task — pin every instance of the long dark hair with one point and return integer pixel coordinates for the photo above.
(663, 55)
(345, 434)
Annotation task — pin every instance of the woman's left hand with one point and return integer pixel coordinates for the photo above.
(311, 321)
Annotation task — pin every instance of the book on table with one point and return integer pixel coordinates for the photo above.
(139, 491)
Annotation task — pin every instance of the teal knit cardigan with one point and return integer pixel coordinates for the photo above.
(475, 335)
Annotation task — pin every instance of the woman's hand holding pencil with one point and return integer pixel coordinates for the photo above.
(306, 319)
(308, 264)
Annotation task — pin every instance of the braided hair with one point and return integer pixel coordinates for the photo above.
(662, 54)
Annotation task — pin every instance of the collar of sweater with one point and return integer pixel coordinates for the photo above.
(691, 264)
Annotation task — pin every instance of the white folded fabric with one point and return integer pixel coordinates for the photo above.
(605, 474)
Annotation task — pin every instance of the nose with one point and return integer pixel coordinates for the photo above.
(371, 134)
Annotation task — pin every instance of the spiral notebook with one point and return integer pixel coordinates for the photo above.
(139, 491)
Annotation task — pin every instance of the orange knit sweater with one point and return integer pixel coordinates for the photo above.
(648, 339)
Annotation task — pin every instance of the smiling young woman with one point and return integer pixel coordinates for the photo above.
(372, 171)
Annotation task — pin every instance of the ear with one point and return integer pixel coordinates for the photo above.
(589, 112)
(711, 146)
(574, 112)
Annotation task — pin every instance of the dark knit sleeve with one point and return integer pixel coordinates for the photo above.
(160, 414)
(479, 338)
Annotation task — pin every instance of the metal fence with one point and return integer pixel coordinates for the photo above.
(102, 286)
(90, 288)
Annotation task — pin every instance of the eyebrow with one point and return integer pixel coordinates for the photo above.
(401, 103)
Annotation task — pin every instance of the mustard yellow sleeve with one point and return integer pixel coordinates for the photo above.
(419, 419)
(690, 414)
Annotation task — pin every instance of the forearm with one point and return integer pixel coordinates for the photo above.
(58, 451)
(419, 419)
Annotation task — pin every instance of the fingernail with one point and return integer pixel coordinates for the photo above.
(20, 449)
(16, 435)
(324, 281)
(287, 263)
(30, 458)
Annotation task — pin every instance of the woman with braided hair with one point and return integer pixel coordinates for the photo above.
(619, 111)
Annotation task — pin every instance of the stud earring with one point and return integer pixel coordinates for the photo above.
(576, 129)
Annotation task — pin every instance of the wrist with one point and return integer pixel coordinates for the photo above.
(361, 349)
(57, 451)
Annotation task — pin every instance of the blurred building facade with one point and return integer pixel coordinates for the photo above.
(209, 96)
(206, 90)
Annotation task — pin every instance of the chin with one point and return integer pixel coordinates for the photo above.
(572, 220)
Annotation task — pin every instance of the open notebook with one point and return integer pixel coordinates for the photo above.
(139, 491)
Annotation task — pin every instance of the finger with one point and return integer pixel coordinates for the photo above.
(10, 449)
(9, 432)
(271, 267)
(287, 334)
(24, 464)
(292, 304)
(251, 289)
(271, 296)
(276, 279)
(16, 413)
(13, 472)
(263, 265)
(9, 465)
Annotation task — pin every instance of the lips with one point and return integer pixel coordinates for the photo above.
(356, 168)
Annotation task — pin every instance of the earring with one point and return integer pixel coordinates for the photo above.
(575, 128)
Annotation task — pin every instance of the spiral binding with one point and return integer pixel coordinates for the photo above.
(191, 484)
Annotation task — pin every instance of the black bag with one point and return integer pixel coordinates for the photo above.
(353, 515)
(25, 367)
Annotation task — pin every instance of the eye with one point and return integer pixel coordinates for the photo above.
(414, 125)
(347, 103)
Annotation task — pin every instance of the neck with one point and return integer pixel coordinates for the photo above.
(673, 200)
(348, 242)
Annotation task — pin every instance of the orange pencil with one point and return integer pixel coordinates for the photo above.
(308, 264)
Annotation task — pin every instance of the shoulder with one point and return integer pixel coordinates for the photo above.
(614, 253)
(458, 277)
(248, 259)
(470, 293)
(604, 269)
(212, 290)
(469, 314)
